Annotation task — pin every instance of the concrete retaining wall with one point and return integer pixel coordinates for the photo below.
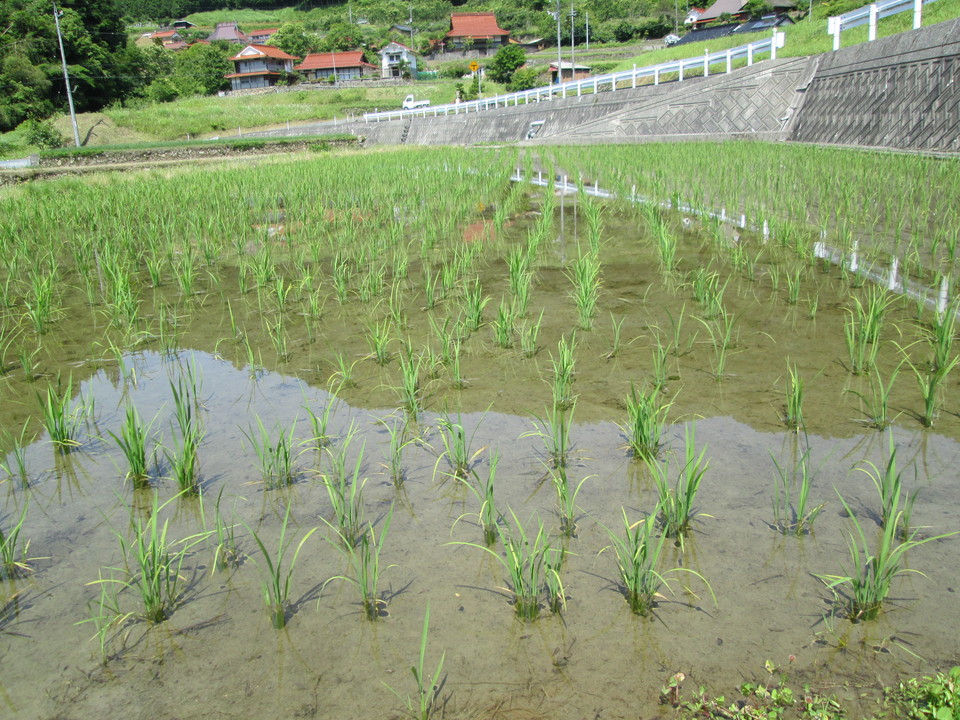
(898, 92)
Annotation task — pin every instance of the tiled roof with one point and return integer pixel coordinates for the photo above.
(323, 61)
(475, 25)
(262, 51)
(719, 8)
(165, 33)
(229, 32)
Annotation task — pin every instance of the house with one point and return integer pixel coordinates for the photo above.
(339, 65)
(693, 15)
(164, 37)
(261, 36)
(183, 24)
(767, 22)
(395, 58)
(735, 9)
(569, 71)
(259, 66)
(478, 30)
(229, 32)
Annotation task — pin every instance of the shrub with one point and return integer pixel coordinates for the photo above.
(42, 134)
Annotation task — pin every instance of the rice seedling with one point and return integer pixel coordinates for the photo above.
(474, 302)
(446, 337)
(617, 327)
(638, 556)
(459, 381)
(40, 306)
(399, 441)
(133, 444)
(554, 430)
(556, 595)
(521, 298)
(371, 284)
(794, 516)
(153, 563)
(278, 337)
(666, 241)
(930, 389)
(524, 559)
(876, 403)
(14, 559)
(431, 282)
(723, 338)
(276, 585)
(793, 410)
(871, 573)
(566, 499)
(585, 276)
(345, 490)
(344, 370)
(227, 553)
(457, 450)
(15, 464)
(62, 423)
(488, 516)
(793, 286)
(106, 615)
(504, 324)
(275, 454)
(529, 332)
(646, 417)
(677, 346)
(593, 215)
(862, 329)
(378, 338)
(676, 503)
(320, 424)
(563, 366)
(426, 703)
(889, 485)
(659, 364)
(409, 389)
(363, 557)
(183, 457)
(518, 268)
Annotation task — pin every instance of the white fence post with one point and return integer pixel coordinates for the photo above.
(773, 45)
(917, 13)
(942, 299)
(872, 23)
(750, 54)
(634, 85)
(680, 79)
(729, 60)
(834, 27)
(892, 278)
(656, 75)
(706, 63)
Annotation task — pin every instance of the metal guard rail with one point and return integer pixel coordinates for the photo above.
(702, 62)
(869, 14)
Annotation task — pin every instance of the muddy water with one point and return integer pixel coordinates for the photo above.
(218, 656)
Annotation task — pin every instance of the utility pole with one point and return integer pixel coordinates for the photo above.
(556, 16)
(66, 77)
(588, 29)
(573, 14)
(412, 46)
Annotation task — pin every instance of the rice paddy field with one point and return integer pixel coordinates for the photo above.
(273, 434)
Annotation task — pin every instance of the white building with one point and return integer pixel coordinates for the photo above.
(395, 58)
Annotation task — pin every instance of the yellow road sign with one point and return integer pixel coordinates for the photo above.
(474, 66)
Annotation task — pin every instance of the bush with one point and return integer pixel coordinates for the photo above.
(454, 70)
(42, 134)
(525, 79)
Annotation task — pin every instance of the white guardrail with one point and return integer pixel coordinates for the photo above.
(597, 83)
(869, 14)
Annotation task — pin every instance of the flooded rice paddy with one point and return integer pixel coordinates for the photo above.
(258, 352)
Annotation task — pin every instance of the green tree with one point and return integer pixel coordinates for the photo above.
(507, 60)
(200, 69)
(340, 37)
(294, 39)
(524, 79)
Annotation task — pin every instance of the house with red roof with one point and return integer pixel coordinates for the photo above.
(259, 66)
(478, 30)
(338, 65)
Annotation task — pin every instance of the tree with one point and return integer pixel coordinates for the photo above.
(757, 8)
(294, 39)
(200, 69)
(507, 60)
(524, 79)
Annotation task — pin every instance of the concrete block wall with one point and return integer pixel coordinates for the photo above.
(898, 92)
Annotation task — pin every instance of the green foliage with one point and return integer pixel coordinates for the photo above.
(928, 698)
(294, 39)
(524, 79)
(508, 60)
(42, 134)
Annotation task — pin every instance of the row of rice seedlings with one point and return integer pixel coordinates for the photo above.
(793, 513)
(676, 502)
(363, 556)
(862, 329)
(638, 557)
(276, 585)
